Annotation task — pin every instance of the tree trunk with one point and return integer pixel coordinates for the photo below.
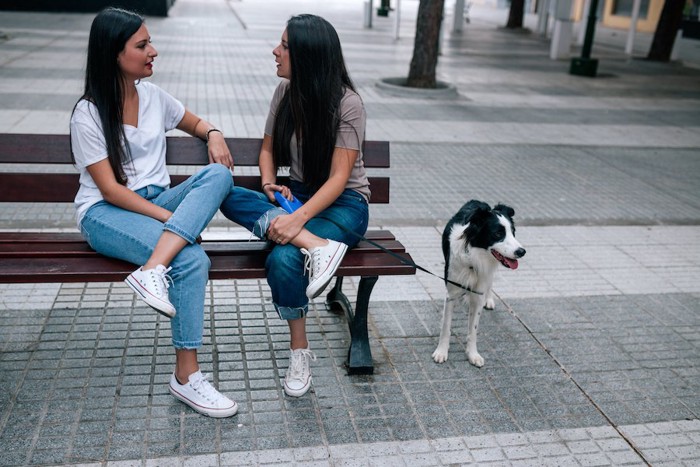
(666, 30)
(425, 48)
(515, 17)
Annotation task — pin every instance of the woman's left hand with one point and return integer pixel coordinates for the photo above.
(284, 228)
(218, 150)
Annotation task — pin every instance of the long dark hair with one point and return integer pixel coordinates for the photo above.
(104, 81)
(311, 106)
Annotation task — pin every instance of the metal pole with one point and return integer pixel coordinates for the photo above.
(458, 20)
(585, 65)
(590, 30)
(633, 27)
(397, 20)
(542, 16)
(368, 14)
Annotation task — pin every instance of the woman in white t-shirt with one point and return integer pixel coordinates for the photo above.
(125, 206)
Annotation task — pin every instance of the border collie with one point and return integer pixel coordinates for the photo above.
(475, 242)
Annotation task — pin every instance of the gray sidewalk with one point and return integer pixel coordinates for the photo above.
(592, 354)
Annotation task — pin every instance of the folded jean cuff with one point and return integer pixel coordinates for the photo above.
(187, 345)
(179, 232)
(263, 223)
(291, 312)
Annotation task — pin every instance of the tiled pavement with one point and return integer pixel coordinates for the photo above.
(592, 354)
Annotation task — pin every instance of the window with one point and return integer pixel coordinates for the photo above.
(624, 8)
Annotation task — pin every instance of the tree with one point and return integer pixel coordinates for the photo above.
(666, 30)
(421, 74)
(515, 16)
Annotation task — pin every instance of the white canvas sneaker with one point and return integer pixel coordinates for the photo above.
(202, 396)
(322, 262)
(297, 381)
(152, 286)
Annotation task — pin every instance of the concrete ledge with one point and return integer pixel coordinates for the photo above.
(144, 7)
(397, 86)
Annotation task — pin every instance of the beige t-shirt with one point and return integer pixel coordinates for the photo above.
(351, 135)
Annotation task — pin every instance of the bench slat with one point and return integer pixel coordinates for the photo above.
(55, 149)
(61, 188)
(74, 237)
(101, 269)
(213, 248)
(360, 264)
(66, 257)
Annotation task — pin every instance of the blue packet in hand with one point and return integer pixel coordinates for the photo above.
(289, 206)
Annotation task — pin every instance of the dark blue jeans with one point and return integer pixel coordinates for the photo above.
(285, 263)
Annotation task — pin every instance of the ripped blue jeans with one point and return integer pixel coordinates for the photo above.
(285, 263)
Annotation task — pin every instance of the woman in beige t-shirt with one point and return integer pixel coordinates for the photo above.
(316, 127)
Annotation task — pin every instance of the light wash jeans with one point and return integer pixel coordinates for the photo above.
(127, 235)
(285, 263)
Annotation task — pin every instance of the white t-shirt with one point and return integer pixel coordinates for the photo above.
(158, 113)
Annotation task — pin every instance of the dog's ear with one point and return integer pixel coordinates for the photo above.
(476, 221)
(470, 231)
(505, 210)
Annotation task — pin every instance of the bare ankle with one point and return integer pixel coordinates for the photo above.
(320, 242)
(299, 345)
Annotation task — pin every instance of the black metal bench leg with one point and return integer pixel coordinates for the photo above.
(336, 299)
(360, 355)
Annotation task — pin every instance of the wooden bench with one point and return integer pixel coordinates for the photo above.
(27, 257)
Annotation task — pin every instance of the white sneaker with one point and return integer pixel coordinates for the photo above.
(202, 396)
(297, 381)
(152, 286)
(322, 262)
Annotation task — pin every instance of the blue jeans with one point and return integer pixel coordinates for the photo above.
(130, 236)
(285, 263)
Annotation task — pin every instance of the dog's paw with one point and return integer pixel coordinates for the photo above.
(476, 359)
(440, 355)
(490, 302)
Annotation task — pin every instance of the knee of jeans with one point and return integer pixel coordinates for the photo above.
(284, 255)
(284, 262)
(192, 261)
(221, 174)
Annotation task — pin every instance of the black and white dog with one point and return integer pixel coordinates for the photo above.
(475, 242)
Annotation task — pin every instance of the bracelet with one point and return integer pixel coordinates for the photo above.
(210, 130)
(265, 184)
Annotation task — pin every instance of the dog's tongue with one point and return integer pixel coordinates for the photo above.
(507, 262)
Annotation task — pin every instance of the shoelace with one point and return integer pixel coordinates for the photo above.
(162, 274)
(205, 389)
(298, 362)
(311, 257)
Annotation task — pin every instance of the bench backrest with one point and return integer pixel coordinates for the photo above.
(17, 186)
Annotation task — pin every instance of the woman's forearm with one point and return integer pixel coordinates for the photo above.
(125, 198)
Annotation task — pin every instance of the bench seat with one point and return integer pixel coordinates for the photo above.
(66, 257)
